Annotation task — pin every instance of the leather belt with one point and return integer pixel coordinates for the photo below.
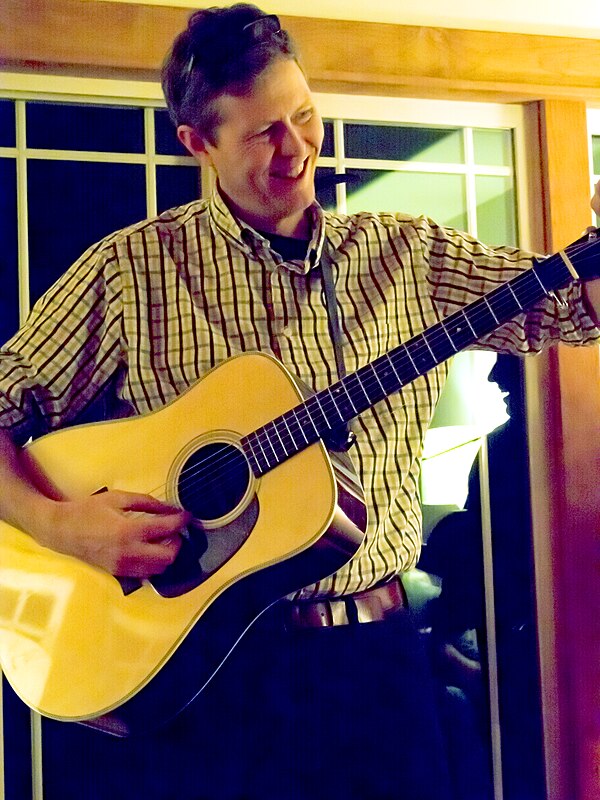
(372, 605)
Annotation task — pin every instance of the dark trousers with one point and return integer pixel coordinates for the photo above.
(346, 712)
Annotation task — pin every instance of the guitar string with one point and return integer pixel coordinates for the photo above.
(329, 403)
(440, 335)
(193, 474)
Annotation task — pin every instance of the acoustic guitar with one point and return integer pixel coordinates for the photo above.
(274, 510)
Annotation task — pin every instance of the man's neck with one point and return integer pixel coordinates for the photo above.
(298, 226)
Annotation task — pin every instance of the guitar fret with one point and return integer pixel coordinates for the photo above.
(262, 455)
(461, 334)
(301, 427)
(324, 426)
(329, 424)
(365, 385)
(247, 444)
(377, 379)
(284, 418)
(270, 443)
(466, 316)
(439, 342)
(515, 296)
(336, 395)
(482, 318)
(449, 337)
(388, 377)
(407, 351)
(539, 280)
(398, 378)
(356, 377)
(285, 452)
(262, 450)
(349, 397)
(314, 418)
(428, 345)
(405, 369)
(489, 305)
(423, 360)
(372, 389)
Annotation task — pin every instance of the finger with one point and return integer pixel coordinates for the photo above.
(133, 501)
(155, 528)
(151, 559)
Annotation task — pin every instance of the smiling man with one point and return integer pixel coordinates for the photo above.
(328, 694)
(265, 151)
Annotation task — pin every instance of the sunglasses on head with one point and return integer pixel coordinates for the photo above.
(255, 32)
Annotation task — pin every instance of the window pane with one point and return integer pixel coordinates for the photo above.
(441, 197)
(328, 147)
(7, 123)
(325, 181)
(493, 147)
(403, 143)
(63, 126)
(9, 296)
(596, 154)
(167, 143)
(496, 218)
(89, 201)
(176, 185)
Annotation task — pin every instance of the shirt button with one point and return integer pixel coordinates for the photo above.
(287, 331)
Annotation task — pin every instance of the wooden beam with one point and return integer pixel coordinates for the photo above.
(339, 55)
(564, 409)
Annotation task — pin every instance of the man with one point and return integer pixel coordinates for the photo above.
(343, 710)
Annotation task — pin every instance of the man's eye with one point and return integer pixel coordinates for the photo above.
(304, 116)
(261, 132)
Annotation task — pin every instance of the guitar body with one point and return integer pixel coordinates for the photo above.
(274, 511)
(78, 644)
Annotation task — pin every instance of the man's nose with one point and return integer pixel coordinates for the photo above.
(291, 143)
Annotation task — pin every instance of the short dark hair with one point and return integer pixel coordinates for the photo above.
(222, 51)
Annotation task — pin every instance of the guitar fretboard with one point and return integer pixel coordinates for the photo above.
(333, 407)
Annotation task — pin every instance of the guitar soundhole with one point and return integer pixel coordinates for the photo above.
(213, 481)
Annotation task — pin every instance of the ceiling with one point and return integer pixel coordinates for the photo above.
(580, 18)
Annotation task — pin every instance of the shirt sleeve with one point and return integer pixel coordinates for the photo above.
(67, 352)
(462, 269)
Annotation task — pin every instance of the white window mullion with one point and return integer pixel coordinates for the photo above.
(37, 775)
(470, 184)
(522, 186)
(150, 160)
(340, 164)
(22, 212)
(593, 119)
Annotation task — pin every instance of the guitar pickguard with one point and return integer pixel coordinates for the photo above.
(203, 552)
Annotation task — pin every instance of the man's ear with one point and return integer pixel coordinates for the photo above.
(192, 141)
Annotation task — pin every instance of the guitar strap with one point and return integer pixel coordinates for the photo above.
(342, 438)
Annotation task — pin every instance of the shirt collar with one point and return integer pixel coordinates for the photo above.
(247, 239)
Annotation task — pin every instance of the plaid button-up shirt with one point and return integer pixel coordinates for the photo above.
(150, 309)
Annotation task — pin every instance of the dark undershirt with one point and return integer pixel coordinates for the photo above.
(289, 248)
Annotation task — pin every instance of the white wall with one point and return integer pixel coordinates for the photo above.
(552, 17)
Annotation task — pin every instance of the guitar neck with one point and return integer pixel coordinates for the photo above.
(346, 399)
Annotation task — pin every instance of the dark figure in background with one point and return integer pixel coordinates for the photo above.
(454, 552)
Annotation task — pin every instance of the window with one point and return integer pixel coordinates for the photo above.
(594, 132)
(81, 158)
(73, 172)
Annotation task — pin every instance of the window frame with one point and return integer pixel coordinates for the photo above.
(593, 121)
(23, 87)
